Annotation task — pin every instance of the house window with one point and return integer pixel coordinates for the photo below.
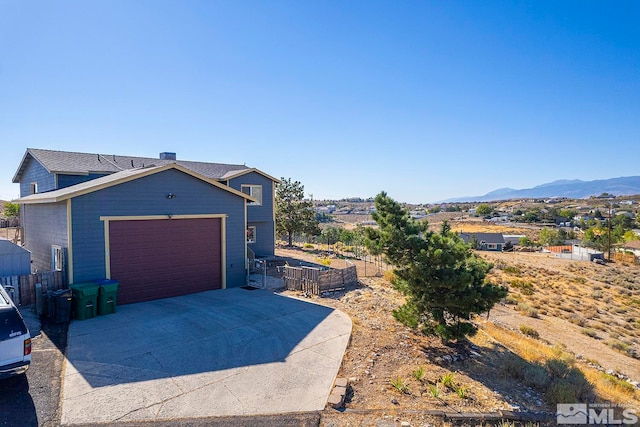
(251, 234)
(56, 258)
(34, 187)
(492, 246)
(254, 191)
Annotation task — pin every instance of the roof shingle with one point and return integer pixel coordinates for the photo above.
(86, 163)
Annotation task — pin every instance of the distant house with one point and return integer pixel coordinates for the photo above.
(418, 214)
(514, 239)
(501, 218)
(160, 226)
(631, 247)
(484, 241)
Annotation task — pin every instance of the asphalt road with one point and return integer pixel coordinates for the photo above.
(33, 399)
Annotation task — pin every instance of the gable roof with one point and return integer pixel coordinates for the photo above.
(115, 179)
(237, 173)
(483, 237)
(73, 163)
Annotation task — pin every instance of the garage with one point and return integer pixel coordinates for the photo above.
(161, 258)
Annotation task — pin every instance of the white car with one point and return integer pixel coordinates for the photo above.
(15, 340)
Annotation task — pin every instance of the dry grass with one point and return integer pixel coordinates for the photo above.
(607, 387)
(598, 297)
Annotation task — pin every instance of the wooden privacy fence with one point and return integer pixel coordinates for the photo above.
(625, 257)
(24, 287)
(316, 281)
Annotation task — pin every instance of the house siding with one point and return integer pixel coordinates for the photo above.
(45, 225)
(147, 196)
(35, 172)
(259, 216)
(69, 180)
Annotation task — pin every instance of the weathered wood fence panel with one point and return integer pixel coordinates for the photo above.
(316, 281)
(25, 286)
(625, 257)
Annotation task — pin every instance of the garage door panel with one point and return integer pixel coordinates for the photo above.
(161, 258)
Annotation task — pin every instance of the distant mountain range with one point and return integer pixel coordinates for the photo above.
(570, 188)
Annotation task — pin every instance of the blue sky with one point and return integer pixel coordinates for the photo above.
(426, 100)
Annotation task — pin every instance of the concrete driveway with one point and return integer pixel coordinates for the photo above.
(218, 353)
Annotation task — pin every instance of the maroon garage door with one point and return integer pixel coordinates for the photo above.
(155, 259)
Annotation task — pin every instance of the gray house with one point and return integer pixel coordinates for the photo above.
(484, 241)
(161, 227)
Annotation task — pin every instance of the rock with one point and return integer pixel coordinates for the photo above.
(395, 401)
(405, 424)
(353, 379)
(335, 400)
(341, 382)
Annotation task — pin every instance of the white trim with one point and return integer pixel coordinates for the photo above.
(56, 257)
(69, 242)
(255, 201)
(121, 177)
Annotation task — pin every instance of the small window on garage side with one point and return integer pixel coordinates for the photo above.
(251, 234)
(56, 258)
(254, 191)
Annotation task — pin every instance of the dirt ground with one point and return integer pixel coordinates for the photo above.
(397, 374)
(382, 350)
(576, 284)
(9, 233)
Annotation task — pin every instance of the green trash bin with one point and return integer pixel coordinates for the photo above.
(85, 300)
(107, 296)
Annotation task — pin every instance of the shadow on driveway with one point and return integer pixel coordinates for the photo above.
(217, 353)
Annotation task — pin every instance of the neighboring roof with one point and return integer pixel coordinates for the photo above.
(237, 173)
(72, 163)
(634, 244)
(483, 237)
(9, 248)
(115, 179)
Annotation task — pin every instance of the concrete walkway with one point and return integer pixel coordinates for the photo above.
(217, 353)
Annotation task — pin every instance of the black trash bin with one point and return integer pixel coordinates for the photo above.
(59, 305)
(63, 305)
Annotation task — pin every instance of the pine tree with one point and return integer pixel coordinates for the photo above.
(294, 214)
(442, 279)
